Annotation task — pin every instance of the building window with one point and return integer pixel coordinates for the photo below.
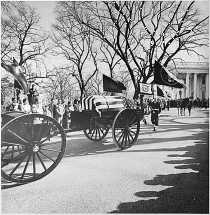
(203, 80)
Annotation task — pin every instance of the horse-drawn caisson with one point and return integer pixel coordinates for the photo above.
(32, 145)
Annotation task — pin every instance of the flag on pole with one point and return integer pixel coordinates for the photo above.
(110, 85)
(163, 77)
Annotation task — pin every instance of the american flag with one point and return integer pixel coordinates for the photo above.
(128, 103)
(102, 103)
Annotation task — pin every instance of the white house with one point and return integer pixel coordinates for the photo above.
(196, 78)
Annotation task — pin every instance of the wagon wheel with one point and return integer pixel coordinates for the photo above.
(31, 147)
(125, 128)
(96, 134)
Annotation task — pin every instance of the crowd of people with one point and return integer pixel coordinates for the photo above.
(61, 111)
(166, 104)
(155, 106)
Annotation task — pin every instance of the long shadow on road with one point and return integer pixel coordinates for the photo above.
(83, 147)
(87, 147)
(189, 192)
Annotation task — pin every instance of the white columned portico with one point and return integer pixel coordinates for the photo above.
(195, 86)
(187, 84)
(207, 86)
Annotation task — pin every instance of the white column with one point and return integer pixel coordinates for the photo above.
(195, 86)
(207, 86)
(187, 84)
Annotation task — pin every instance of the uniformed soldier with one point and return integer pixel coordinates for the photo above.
(155, 110)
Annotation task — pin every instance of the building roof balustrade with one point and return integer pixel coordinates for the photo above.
(192, 65)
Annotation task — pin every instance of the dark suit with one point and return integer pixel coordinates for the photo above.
(156, 109)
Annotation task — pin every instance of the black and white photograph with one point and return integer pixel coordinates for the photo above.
(105, 107)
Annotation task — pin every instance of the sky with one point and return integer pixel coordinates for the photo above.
(45, 9)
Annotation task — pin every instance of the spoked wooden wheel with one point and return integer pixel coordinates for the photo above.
(96, 134)
(31, 147)
(125, 128)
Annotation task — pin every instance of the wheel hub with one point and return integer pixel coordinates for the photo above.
(35, 148)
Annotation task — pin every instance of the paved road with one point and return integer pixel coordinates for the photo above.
(166, 171)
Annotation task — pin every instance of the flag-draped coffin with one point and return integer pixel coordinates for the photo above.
(102, 103)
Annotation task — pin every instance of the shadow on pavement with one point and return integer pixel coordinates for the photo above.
(189, 192)
(76, 147)
(81, 148)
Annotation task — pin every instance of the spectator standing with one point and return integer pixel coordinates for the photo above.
(67, 115)
(34, 109)
(75, 105)
(13, 106)
(164, 104)
(46, 111)
(20, 105)
(33, 95)
(26, 107)
(155, 111)
(60, 109)
(205, 103)
(39, 106)
(52, 107)
(144, 107)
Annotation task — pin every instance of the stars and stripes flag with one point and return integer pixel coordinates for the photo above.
(103, 103)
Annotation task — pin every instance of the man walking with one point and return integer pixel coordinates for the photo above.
(189, 106)
(155, 110)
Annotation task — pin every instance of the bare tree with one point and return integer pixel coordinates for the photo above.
(94, 86)
(75, 43)
(110, 57)
(58, 83)
(21, 35)
(141, 32)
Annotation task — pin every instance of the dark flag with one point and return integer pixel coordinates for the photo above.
(16, 71)
(110, 85)
(160, 92)
(163, 77)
